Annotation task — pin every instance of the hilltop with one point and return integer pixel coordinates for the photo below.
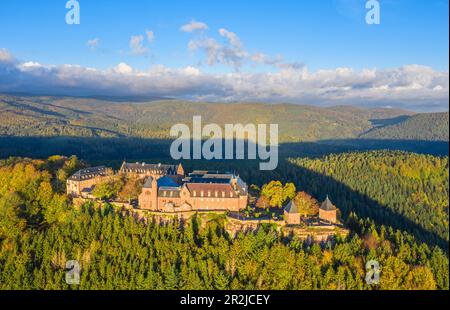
(427, 126)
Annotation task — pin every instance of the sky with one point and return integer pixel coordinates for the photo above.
(310, 52)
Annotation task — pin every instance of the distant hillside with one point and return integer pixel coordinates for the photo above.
(94, 117)
(429, 127)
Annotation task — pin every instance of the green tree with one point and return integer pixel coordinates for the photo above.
(277, 194)
(107, 189)
(11, 221)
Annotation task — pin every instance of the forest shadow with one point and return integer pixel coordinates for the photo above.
(96, 148)
(388, 121)
(384, 122)
(349, 200)
(23, 107)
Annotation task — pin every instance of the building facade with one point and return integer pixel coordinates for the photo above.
(200, 191)
(328, 212)
(291, 214)
(83, 181)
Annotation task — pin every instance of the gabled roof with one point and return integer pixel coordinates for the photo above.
(166, 181)
(291, 207)
(143, 168)
(88, 173)
(211, 173)
(327, 205)
(242, 186)
(207, 180)
(88, 189)
(163, 182)
(200, 176)
(217, 177)
(148, 182)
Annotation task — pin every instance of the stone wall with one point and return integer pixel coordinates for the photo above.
(234, 226)
(316, 233)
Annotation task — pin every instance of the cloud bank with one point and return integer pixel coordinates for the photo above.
(412, 86)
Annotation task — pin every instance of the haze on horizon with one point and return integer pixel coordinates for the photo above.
(290, 51)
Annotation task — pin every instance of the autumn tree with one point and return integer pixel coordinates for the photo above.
(262, 202)
(306, 204)
(131, 189)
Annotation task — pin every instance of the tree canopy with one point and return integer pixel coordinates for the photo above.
(40, 231)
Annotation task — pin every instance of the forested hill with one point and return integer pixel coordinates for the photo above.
(86, 117)
(427, 126)
(392, 202)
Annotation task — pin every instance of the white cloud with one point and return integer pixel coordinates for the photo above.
(232, 53)
(93, 43)
(123, 68)
(211, 48)
(137, 45)
(262, 58)
(150, 35)
(194, 26)
(412, 86)
(191, 71)
(30, 65)
(6, 56)
(232, 38)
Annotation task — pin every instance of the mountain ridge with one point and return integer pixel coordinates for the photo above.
(94, 117)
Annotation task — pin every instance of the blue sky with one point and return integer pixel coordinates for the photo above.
(320, 35)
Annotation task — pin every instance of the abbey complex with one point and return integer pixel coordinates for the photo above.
(168, 189)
